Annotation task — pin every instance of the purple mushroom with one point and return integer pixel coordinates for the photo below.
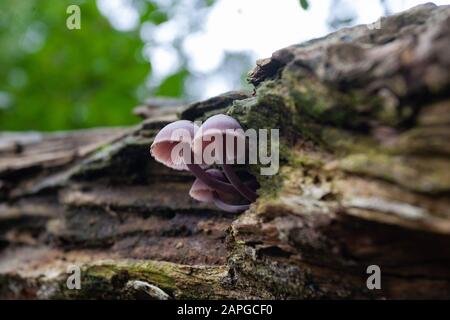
(178, 144)
(171, 136)
(166, 140)
(203, 193)
(228, 128)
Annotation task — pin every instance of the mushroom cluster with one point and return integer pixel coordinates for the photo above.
(182, 145)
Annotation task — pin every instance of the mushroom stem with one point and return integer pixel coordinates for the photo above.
(238, 184)
(228, 207)
(211, 181)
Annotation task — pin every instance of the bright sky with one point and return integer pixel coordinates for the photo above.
(259, 27)
(263, 27)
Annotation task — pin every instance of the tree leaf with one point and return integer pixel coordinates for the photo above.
(304, 4)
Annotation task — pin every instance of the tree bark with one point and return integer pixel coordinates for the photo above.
(364, 180)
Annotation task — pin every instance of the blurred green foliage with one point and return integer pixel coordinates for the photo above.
(53, 78)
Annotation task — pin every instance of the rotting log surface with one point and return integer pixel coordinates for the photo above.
(365, 153)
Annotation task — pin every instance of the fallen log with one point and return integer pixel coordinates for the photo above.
(364, 120)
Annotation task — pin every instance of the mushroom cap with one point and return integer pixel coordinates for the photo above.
(202, 192)
(218, 125)
(181, 131)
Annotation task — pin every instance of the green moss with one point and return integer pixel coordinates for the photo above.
(315, 102)
(304, 160)
(427, 175)
(109, 279)
(344, 142)
(269, 109)
(270, 185)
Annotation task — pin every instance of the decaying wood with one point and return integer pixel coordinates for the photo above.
(365, 153)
